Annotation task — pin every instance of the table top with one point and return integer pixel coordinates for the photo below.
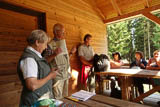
(132, 72)
(102, 101)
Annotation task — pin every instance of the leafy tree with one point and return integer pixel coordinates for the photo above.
(119, 38)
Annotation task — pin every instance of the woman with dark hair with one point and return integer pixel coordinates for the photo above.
(139, 63)
(116, 62)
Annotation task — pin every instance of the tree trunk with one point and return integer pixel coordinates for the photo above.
(145, 53)
(148, 33)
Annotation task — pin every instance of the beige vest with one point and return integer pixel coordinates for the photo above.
(61, 61)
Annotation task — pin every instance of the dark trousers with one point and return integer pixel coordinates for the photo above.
(138, 82)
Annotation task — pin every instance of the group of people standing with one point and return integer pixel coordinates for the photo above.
(44, 66)
(44, 77)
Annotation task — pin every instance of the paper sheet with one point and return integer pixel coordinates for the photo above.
(83, 95)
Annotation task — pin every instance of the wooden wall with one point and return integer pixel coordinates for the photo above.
(14, 28)
(78, 18)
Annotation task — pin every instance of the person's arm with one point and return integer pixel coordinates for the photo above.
(143, 64)
(84, 61)
(152, 68)
(149, 67)
(29, 69)
(50, 58)
(33, 83)
(81, 57)
(132, 64)
(49, 54)
(73, 50)
(158, 61)
(115, 65)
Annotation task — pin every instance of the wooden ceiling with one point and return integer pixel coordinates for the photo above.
(113, 10)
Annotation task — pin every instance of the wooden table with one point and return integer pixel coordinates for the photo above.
(102, 101)
(126, 79)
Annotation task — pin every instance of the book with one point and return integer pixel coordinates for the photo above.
(82, 95)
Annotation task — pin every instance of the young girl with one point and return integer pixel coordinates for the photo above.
(116, 62)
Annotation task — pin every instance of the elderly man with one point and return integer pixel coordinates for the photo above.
(86, 54)
(57, 49)
(34, 71)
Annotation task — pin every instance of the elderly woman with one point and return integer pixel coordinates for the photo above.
(34, 71)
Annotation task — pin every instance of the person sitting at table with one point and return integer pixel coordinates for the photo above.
(154, 64)
(139, 63)
(116, 62)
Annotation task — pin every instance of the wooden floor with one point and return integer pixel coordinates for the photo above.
(150, 100)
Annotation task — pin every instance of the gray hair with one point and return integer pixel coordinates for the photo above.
(57, 27)
(39, 35)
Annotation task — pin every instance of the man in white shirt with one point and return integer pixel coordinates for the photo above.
(86, 54)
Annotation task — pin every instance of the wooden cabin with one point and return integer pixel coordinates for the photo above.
(19, 17)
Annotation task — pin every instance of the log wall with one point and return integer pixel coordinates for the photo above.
(78, 18)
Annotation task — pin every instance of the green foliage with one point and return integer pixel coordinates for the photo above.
(156, 37)
(120, 39)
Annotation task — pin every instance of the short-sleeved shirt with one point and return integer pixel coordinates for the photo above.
(86, 51)
(136, 63)
(29, 66)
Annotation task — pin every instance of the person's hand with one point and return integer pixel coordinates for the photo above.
(57, 51)
(73, 50)
(142, 65)
(53, 73)
(121, 63)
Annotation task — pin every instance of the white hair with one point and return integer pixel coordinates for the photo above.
(39, 35)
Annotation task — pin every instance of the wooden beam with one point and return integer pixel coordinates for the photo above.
(116, 7)
(146, 3)
(152, 17)
(146, 10)
(141, 97)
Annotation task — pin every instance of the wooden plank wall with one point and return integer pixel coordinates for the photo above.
(14, 29)
(78, 18)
